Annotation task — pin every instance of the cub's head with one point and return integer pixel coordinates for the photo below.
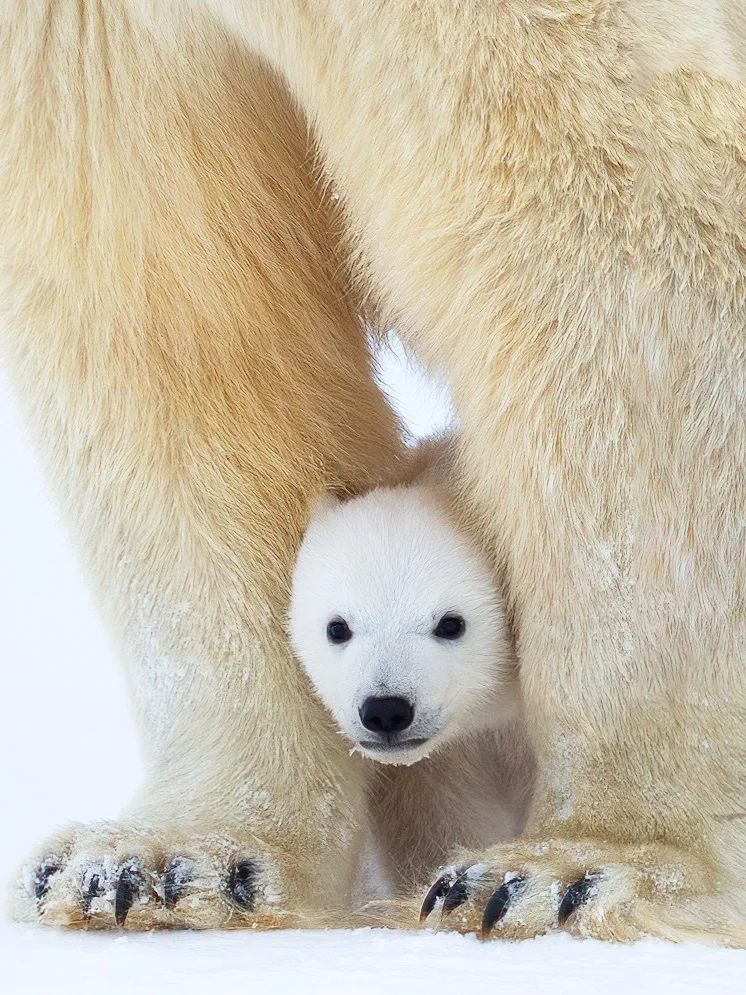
(396, 618)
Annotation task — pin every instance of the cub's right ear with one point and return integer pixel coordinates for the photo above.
(322, 505)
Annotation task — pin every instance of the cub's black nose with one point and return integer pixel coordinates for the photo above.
(386, 715)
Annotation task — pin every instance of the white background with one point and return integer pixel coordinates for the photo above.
(67, 751)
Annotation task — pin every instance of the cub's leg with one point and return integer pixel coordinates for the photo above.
(191, 365)
(472, 793)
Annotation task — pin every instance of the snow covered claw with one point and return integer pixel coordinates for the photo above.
(44, 873)
(500, 902)
(458, 893)
(129, 886)
(454, 888)
(175, 877)
(242, 884)
(92, 888)
(440, 890)
(578, 894)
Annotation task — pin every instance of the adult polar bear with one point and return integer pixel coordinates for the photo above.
(548, 198)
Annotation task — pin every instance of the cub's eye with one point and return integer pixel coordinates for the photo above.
(338, 631)
(450, 627)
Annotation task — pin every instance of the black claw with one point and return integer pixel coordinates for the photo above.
(458, 893)
(128, 887)
(500, 902)
(441, 888)
(44, 872)
(175, 877)
(576, 895)
(242, 883)
(92, 889)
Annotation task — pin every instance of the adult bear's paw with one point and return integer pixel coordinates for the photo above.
(107, 875)
(525, 888)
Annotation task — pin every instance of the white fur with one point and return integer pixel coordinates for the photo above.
(391, 564)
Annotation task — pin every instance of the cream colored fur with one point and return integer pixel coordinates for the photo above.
(547, 196)
(193, 369)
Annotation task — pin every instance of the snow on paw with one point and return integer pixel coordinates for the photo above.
(212, 882)
(110, 875)
(525, 889)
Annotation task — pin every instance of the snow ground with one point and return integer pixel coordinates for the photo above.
(67, 751)
(352, 963)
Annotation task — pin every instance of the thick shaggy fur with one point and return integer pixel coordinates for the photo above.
(548, 197)
(193, 369)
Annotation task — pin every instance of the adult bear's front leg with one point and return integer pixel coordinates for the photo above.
(620, 515)
(191, 366)
(550, 201)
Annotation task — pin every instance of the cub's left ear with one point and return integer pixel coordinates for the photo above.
(323, 505)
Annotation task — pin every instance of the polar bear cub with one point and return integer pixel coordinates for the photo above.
(396, 616)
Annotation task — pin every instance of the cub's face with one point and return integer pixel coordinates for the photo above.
(396, 619)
